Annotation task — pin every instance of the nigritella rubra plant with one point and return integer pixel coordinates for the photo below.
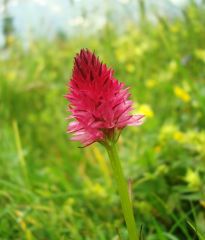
(100, 108)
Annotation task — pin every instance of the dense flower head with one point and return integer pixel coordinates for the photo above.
(99, 104)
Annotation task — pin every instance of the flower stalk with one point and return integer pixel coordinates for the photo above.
(122, 188)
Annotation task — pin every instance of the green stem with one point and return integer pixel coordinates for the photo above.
(122, 187)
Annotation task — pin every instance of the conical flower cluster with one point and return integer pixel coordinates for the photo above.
(99, 104)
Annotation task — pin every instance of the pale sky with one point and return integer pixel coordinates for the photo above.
(45, 17)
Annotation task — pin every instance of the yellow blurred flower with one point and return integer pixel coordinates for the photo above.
(200, 54)
(173, 66)
(195, 140)
(168, 129)
(171, 131)
(130, 67)
(146, 110)
(178, 136)
(120, 55)
(150, 83)
(182, 94)
(70, 201)
(95, 189)
(11, 75)
(141, 49)
(167, 132)
(98, 190)
(138, 51)
(193, 179)
(175, 28)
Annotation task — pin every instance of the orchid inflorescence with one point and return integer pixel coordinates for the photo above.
(99, 104)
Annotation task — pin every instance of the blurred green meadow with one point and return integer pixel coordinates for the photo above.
(52, 189)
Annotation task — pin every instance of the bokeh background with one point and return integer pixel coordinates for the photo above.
(50, 188)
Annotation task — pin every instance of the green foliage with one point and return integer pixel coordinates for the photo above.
(51, 189)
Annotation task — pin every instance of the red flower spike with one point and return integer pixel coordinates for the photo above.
(99, 104)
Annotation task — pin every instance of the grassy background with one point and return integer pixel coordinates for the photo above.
(51, 189)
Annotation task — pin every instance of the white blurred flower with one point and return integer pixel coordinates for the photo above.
(124, 1)
(78, 21)
(2, 8)
(13, 3)
(56, 8)
(178, 2)
(41, 2)
(100, 22)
